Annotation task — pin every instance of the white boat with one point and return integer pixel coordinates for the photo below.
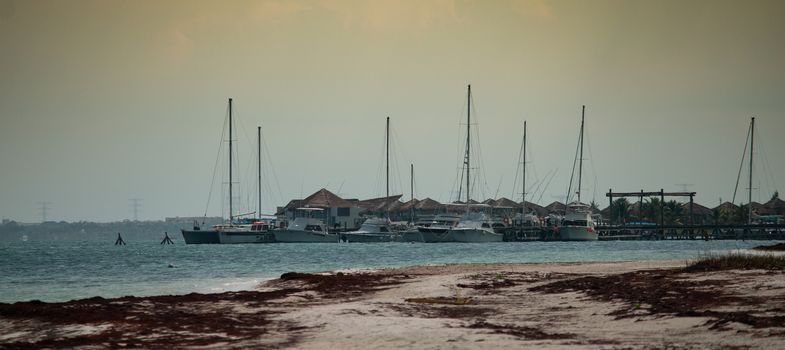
(373, 230)
(307, 227)
(578, 224)
(436, 230)
(475, 228)
(236, 230)
(254, 232)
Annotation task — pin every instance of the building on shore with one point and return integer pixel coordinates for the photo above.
(338, 213)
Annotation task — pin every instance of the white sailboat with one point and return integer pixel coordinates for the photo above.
(473, 227)
(237, 230)
(375, 230)
(578, 224)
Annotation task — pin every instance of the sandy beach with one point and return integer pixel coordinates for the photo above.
(624, 305)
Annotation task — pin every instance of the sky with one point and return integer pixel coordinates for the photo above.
(104, 101)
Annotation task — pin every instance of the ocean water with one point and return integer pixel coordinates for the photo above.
(60, 271)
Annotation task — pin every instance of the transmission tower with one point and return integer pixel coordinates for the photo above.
(43, 209)
(135, 204)
(685, 186)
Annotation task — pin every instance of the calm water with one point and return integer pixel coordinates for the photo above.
(69, 270)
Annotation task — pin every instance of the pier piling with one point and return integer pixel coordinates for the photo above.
(119, 240)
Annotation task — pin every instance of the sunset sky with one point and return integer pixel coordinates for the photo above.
(102, 101)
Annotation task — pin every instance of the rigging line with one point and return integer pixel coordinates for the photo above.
(572, 175)
(539, 199)
(771, 183)
(496, 195)
(379, 180)
(217, 159)
(593, 169)
(398, 152)
(272, 167)
(397, 169)
(517, 170)
(743, 156)
(540, 183)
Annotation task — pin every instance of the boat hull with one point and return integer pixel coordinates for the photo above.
(411, 236)
(577, 233)
(355, 237)
(475, 236)
(200, 236)
(245, 237)
(435, 235)
(290, 236)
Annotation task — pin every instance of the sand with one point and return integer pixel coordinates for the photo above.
(625, 305)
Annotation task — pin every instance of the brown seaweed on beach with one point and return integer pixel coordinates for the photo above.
(665, 292)
(182, 320)
(523, 332)
(779, 247)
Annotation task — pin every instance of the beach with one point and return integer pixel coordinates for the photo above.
(639, 305)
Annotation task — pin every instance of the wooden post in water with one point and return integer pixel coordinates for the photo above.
(752, 144)
(640, 208)
(610, 206)
(167, 240)
(119, 240)
(662, 211)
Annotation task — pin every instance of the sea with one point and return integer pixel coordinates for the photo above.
(61, 271)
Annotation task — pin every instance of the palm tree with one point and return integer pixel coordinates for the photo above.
(619, 209)
(651, 209)
(673, 212)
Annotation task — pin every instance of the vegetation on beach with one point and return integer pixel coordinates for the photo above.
(736, 261)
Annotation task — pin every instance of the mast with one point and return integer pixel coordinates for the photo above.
(580, 160)
(411, 177)
(524, 170)
(752, 144)
(259, 166)
(387, 148)
(468, 141)
(230, 162)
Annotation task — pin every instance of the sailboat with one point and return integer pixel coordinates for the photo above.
(578, 224)
(375, 230)
(237, 230)
(473, 227)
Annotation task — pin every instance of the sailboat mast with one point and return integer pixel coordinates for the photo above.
(524, 170)
(468, 140)
(230, 162)
(259, 166)
(752, 144)
(580, 160)
(387, 150)
(411, 179)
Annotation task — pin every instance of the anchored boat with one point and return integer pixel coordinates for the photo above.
(578, 224)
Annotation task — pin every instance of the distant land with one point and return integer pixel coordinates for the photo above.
(100, 231)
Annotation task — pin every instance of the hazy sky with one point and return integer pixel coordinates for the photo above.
(102, 101)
